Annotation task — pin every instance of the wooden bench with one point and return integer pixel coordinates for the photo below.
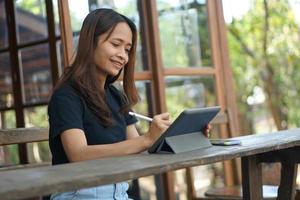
(22, 136)
(26, 183)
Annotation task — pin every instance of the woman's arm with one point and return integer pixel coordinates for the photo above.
(77, 149)
(131, 132)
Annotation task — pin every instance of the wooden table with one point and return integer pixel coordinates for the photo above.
(18, 184)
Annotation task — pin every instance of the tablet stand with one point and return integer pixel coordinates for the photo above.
(183, 143)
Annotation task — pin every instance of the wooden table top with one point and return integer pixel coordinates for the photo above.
(25, 183)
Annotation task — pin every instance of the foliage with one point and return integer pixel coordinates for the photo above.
(35, 7)
(265, 52)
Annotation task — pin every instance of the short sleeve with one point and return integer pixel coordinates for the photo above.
(65, 112)
(130, 119)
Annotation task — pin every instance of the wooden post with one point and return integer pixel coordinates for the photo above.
(66, 31)
(16, 75)
(286, 190)
(252, 178)
(155, 64)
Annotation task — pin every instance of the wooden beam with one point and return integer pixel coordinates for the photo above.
(16, 75)
(154, 62)
(189, 71)
(216, 56)
(252, 178)
(65, 31)
(52, 42)
(23, 135)
(227, 74)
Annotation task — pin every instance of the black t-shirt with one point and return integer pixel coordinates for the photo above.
(68, 110)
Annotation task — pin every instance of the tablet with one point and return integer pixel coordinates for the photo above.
(189, 121)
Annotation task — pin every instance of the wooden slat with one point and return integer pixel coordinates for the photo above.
(45, 180)
(52, 42)
(156, 66)
(65, 31)
(23, 135)
(27, 166)
(189, 71)
(227, 74)
(146, 75)
(212, 13)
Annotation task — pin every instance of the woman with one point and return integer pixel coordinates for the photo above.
(88, 116)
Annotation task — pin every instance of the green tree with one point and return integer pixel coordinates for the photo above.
(265, 52)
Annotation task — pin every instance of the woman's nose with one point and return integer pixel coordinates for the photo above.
(123, 54)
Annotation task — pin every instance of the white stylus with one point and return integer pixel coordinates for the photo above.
(141, 116)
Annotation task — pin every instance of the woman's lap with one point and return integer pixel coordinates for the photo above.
(116, 191)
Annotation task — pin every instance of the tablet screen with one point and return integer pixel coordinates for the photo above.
(189, 121)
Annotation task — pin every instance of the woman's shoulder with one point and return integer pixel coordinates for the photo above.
(117, 93)
(64, 90)
(114, 88)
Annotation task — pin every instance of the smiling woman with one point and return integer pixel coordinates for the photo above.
(89, 118)
(112, 51)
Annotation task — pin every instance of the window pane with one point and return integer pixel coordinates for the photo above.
(8, 153)
(189, 92)
(142, 106)
(184, 33)
(7, 119)
(3, 26)
(6, 91)
(78, 11)
(37, 117)
(56, 17)
(36, 73)
(60, 57)
(31, 20)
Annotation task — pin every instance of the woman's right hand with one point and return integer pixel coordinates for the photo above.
(158, 125)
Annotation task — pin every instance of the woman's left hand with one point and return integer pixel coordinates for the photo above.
(207, 130)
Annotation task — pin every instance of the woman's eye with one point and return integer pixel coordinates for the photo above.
(115, 44)
(127, 51)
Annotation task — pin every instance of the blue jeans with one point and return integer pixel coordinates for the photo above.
(116, 191)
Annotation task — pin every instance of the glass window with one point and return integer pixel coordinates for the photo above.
(189, 92)
(36, 73)
(56, 17)
(60, 57)
(7, 119)
(3, 26)
(31, 19)
(37, 117)
(142, 106)
(184, 33)
(6, 90)
(8, 153)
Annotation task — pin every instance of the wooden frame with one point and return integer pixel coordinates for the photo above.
(13, 50)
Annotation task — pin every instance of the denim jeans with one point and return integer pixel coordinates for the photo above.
(116, 191)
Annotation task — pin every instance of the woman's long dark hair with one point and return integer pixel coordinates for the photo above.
(83, 72)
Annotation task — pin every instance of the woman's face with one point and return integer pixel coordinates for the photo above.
(112, 54)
